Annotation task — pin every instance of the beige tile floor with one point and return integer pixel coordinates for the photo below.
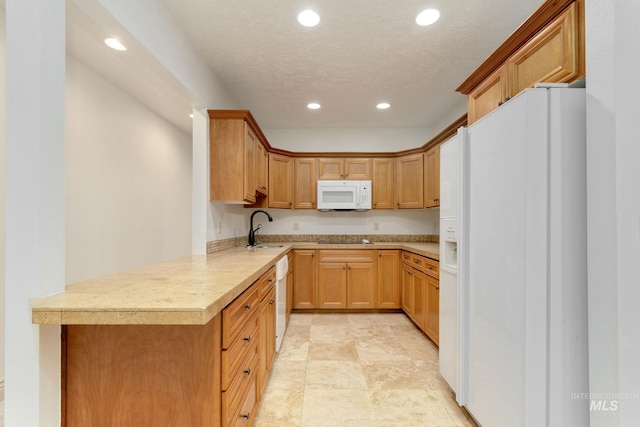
(357, 370)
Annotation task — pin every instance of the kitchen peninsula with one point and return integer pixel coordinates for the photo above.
(146, 347)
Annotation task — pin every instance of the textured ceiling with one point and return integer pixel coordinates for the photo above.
(361, 53)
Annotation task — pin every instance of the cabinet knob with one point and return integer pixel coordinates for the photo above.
(248, 306)
(410, 273)
(245, 416)
(247, 339)
(271, 279)
(348, 268)
(437, 288)
(271, 301)
(247, 371)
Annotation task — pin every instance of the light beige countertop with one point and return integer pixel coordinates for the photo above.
(187, 291)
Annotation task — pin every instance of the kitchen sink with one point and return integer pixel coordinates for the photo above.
(269, 246)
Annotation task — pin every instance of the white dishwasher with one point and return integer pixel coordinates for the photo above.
(282, 266)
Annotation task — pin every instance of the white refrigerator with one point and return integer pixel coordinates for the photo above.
(449, 313)
(522, 263)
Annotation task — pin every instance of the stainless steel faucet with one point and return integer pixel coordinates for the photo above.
(252, 232)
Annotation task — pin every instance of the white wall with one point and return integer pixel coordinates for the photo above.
(3, 55)
(128, 180)
(613, 211)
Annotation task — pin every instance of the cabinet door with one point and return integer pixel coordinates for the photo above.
(290, 285)
(330, 168)
(383, 184)
(432, 316)
(249, 183)
(262, 169)
(304, 279)
(419, 298)
(358, 169)
(332, 285)
(388, 280)
(551, 56)
(407, 290)
(267, 336)
(488, 95)
(410, 181)
(305, 184)
(361, 285)
(280, 181)
(432, 177)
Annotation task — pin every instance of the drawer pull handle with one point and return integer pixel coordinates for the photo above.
(248, 306)
(247, 339)
(437, 288)
(247, 371)
(410, 273)
(245, 416)
(430, 268)
(271, 301)
(271, 279)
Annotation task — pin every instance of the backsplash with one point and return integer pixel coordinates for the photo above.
(221, 245)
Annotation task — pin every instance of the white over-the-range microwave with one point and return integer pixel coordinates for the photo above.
(344, 195)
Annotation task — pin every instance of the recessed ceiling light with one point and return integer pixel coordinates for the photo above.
(114, 44)
(313, 106)
(383, 106)
(308, 18)
(191, 115)
(427, 17)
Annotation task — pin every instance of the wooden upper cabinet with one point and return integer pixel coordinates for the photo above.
(305, 188)
(489, 94)
(262, 169)
(357, 169)
(383, 183)
(281, 181)
(551, 56)
(344, 168)
(548, 47)
(232, 160)
(432, 177)
(410, 181)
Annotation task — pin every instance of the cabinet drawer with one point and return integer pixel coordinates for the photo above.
(424, 264)
(242, 407)
(236, 314)
(431, 267)
(266, 282)
(233, 398)
(245, 343)
(342, 255)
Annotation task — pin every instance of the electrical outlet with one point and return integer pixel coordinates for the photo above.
(376, 226)
(296, 227)
(219, 227)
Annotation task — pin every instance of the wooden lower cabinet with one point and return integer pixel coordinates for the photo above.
(332, 285)
(432, 314)
(346, 278)
(172, 375)
(141, 375)
(421, 293)
(304, 279)
(290, 285)
(267, 323)
(388, 279)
